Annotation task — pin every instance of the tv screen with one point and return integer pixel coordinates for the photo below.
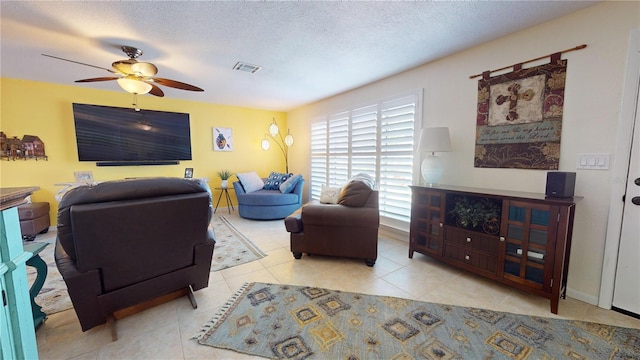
(124, 135)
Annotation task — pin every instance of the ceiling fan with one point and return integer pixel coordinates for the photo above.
(134, 76)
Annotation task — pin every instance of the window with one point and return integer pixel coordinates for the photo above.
(376, 139)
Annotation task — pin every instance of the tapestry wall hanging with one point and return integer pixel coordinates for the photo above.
(519, 119)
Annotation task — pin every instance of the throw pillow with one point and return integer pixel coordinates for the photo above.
(355, 194)
(275, 179)
(290, 184)
(329, 195)
(250, 181)
(365, 178)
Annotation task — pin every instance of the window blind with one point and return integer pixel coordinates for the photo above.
(377, 139)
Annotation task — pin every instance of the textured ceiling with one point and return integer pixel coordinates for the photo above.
(308, 50)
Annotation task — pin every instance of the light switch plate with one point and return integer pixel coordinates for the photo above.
(593, 161)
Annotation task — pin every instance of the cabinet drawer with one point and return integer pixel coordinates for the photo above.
(486, 262)
(471, 239)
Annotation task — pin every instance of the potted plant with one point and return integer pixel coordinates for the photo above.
(224, 176)
(476, 213)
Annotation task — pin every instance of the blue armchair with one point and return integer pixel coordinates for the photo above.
(268, 204)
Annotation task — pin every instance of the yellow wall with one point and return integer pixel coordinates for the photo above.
(44, 109)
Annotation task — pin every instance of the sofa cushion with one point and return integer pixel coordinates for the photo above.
(290, 184)
(329, 195)
(355, 194)
(250, 181)
(267, 198)
(275, 179)
(314, 214)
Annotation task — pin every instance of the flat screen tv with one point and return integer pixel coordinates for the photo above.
(123, 136)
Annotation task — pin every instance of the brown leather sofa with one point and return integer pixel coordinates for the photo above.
(336, 230)
(121, 243)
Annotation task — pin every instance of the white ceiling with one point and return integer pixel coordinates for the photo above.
(308, 50)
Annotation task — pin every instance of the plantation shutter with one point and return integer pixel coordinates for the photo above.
(319, 158)
(397, 129)
(338, 134)
(377, 140)
(364, 137)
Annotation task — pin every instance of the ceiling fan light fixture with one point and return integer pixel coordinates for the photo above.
(134, 86)
(144, 69)
(124, 66)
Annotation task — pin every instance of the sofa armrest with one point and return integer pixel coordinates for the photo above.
(293, 222)
(83, 289)
(238, 188)
(298, 188)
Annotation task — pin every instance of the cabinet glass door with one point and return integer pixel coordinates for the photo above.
(526, 233)
(429, 221)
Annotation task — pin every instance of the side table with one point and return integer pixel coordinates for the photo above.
(224, 191)
(41, 274)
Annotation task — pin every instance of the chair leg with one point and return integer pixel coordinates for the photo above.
(111, 323)
(370, 262)
(191, 297)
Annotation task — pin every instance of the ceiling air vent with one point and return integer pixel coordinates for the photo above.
(240, 66)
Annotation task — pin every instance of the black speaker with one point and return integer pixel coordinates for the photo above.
(560, 184)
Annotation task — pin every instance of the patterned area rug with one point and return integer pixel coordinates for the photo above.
(292, 322)
(232, 247)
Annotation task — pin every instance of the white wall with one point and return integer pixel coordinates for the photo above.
(592, 104)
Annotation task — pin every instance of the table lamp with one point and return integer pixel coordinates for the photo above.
(434, 139)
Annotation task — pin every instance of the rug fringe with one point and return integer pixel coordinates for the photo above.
(252, 246)
(222, 313)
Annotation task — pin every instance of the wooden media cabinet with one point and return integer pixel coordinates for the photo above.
(520, 239)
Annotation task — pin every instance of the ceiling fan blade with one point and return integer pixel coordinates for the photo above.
(155, 90)
(78, 62)
(107, 78)
(176, 84)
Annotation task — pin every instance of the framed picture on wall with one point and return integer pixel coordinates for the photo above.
(222, 139)
(188, 173)
(83, 176)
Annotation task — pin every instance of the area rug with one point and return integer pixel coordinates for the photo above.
(232, 247)
(292, 322)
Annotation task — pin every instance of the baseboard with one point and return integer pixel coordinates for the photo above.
(589, 299)
(393, 233)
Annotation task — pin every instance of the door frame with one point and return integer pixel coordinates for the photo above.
(620, 171)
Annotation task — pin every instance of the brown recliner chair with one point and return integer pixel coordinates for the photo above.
(121, 243)
(336, 230)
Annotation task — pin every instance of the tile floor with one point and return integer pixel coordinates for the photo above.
(165, 331)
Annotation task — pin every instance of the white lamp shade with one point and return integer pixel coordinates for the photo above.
(265, 144)
(288, 140)
(134, 86)
(273, 128)
(435, 139)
